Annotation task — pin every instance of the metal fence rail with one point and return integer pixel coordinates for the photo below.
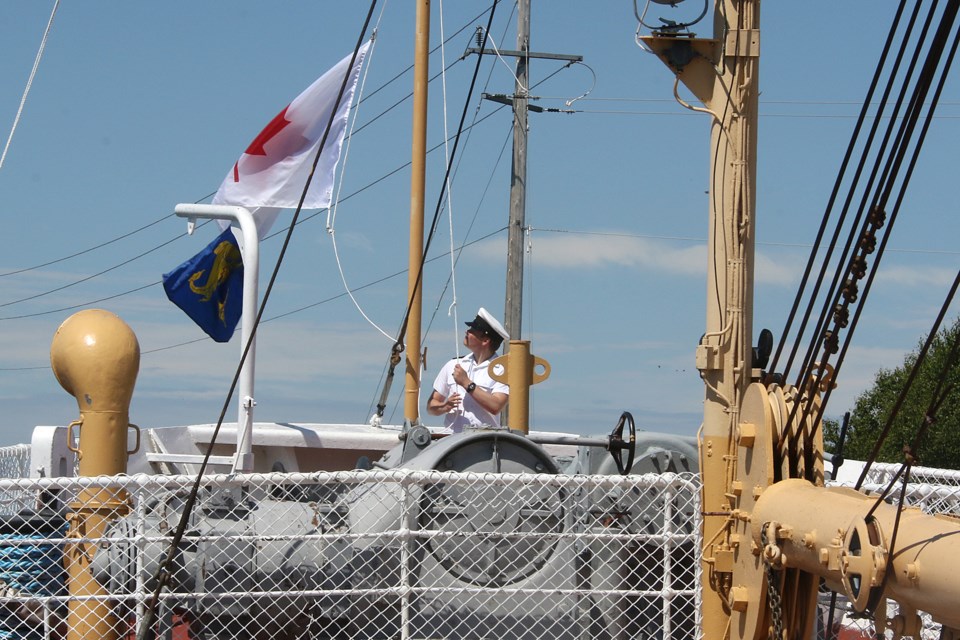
(399, 554)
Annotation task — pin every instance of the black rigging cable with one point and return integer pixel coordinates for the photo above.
(163, 572)
(828, 338)
(830, 202)
(911, 452)
(829, 300)
(908, 384)
(456, 261)
(876, 199)
(856, 269)
(399, 75)
(912, 118)
(387, 365)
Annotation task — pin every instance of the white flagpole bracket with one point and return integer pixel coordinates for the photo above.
(250, 250)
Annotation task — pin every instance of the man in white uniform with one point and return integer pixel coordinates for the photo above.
(464, 393)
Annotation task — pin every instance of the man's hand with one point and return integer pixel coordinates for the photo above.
(437, 405)
(451, 402)
(460, 376)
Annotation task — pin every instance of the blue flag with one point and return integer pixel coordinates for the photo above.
(209, 287)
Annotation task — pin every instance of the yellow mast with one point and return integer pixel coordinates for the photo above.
(411, 405)
(768, 541)
(723, 74)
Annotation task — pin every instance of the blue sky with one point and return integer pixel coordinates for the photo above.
(139, 106)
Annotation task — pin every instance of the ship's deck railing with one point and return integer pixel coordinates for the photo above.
(362, 554)
(382, 554)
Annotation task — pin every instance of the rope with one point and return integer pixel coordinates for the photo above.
(33, 73)
(332, 211)
(452, 309)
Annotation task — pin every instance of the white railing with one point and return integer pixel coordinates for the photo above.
(379, 554)
(398, 554)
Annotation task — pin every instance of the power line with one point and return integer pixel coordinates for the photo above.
(134, 290)
(812, 116)
(270, 319)
(616, 234)
(855, 103)
(88, 250)
(540, 229)
(82, 304)
(165, 217)
(91, 277)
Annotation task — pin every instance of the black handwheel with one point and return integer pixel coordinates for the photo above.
(616, 444)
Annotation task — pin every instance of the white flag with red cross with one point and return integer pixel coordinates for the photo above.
(270, 175)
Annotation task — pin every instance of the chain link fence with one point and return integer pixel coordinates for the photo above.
(362, 554)
(370, 554)
(15, 461)
(929, 489)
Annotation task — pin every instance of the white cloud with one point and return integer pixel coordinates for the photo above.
(781, 271)
(570, 251)
(591, 251)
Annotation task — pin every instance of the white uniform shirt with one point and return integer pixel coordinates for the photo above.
(469, 412)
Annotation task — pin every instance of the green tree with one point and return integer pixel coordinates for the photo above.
(941, 445)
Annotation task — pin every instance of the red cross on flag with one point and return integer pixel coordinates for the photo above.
(271, 173)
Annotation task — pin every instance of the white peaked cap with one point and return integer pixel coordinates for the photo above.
(486, 323)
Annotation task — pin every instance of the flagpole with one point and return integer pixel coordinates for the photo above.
(250, 250)
(411, 405)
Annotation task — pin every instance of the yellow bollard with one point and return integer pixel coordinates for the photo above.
(95, 357)
(518, 373)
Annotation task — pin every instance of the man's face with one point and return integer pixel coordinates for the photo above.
(473, 338)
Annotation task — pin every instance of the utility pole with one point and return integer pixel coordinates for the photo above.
(513, 306)
(518, 179)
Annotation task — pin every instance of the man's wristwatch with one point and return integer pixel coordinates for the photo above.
(471, 387)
